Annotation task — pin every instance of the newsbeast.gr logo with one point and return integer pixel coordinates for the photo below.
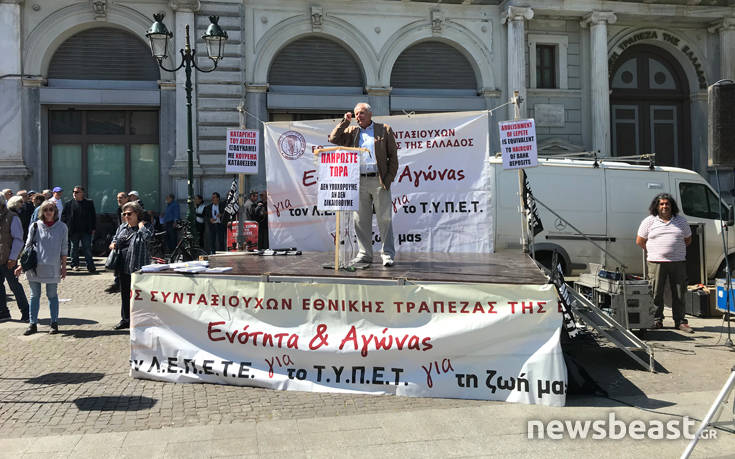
(291, 144)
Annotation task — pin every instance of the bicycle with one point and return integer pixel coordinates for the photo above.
(187, 249)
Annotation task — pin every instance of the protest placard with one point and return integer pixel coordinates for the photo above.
(518, 144)
(242, 151)
(339, 180)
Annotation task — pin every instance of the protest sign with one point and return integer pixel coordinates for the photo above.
(518, 144)
(339, 180)
(242, 151)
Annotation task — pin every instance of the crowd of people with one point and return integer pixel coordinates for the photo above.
(61, 231)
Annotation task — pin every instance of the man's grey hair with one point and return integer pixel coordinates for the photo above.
(15, 203)
(366, 105)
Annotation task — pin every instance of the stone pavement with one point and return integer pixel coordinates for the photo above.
(70, 395)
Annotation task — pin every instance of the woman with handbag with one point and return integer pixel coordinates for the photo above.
(47, 236)
(131, 244)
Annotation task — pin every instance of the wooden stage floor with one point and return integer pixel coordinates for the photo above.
(497, 268)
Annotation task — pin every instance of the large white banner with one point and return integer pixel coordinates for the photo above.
(440, 197)
(474, 341)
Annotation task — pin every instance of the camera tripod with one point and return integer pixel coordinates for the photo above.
(714, 413)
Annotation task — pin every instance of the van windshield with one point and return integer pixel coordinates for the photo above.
(697, 200)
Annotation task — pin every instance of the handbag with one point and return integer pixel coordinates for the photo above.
(29, 258)
(113, 260)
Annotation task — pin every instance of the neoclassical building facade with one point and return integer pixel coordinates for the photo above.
(83, 101)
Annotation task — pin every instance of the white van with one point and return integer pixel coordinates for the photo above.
(606, 201)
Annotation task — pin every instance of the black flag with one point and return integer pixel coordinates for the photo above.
(231, 205)
(534, 221)
(566, 300)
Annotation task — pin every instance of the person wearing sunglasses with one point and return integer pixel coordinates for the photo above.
(48, 236)
(131, 241)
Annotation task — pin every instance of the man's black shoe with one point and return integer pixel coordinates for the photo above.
(54, 328)
(113, 289)
(123, 324)
(5, 317)
(32, 328)
(25, 319)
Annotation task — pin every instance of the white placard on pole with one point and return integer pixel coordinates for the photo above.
(339, 179)
(518, 144)
(241, 155)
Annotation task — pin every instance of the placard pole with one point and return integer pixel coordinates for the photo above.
(338, 213)
(240, 213)
(524, 212)
(337, 241)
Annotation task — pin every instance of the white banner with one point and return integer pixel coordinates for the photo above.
(474, 341)
(518, 144)
(242, 151)
(339, 180)
(440, 195)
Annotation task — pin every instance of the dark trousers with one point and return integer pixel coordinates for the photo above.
(200, 235)
(676, 273)
(85, 240)
(171, 238)
(124, 295)
(20, 295)
(217, 237)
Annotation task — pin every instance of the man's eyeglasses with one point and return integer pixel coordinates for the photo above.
(127, 213)
(77, 191)
(48, 210)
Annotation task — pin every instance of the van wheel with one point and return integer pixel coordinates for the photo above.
(720, 274)
(545, 259)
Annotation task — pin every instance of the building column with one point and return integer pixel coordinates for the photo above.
(379, 100)
(167, 140)
(184, 15)
(32, 131)
(726, 29)
(255, 104)
(13, 171)
(516, 18)
(599, 79)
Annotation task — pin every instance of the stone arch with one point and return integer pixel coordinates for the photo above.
(279, 36)
(479, 56)
(55, 29)
(674, 45)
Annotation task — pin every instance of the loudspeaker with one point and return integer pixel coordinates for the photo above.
(721, 124)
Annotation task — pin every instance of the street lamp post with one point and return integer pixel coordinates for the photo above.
(215, 39)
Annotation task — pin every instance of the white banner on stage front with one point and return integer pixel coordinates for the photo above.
(474, 341)
(440, 197)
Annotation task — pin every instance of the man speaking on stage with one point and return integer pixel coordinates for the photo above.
(378, 168)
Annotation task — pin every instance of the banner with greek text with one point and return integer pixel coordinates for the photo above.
(440, 197)
(339, 180)
(473, 341)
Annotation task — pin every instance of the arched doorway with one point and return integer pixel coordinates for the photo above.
(650, 107)
(306, 72)
(416, 77)
(105, 147)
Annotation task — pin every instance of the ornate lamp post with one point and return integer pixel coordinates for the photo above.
(215, 39)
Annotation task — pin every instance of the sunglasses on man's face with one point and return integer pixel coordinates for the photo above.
(127, 214)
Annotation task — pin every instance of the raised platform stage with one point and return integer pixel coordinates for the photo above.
(492, 268)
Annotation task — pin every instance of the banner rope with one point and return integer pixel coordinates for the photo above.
(241, 109)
